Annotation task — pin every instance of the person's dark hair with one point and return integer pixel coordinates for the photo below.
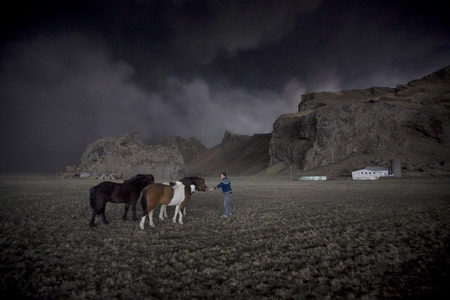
(224, 174)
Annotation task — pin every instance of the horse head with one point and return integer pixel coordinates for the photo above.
(197, 181)
(200, 185)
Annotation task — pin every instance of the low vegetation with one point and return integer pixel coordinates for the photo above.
(286, 239)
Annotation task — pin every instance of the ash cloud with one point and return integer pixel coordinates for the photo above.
(75, 72)
(65, 92)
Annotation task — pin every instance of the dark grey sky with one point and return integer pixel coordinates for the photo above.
(72, 72)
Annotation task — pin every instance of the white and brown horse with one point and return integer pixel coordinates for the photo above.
(158, 193)
(199, 186)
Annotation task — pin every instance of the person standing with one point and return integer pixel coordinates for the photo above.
(225, 185)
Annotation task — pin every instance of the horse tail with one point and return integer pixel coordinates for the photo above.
(143, 199)
(93, 198)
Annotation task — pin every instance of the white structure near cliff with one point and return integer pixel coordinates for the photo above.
(365, 174)
(384, 171)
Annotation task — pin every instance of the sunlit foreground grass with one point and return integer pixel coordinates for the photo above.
(286, 239)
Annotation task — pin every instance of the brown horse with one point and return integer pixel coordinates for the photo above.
(158, 193)
(199, 186)
(127, 192)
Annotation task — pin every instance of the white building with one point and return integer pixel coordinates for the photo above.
(384, 171)
(365, 174)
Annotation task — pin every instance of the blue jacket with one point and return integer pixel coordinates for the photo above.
(225, 184)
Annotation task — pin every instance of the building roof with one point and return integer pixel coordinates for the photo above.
(377, 168)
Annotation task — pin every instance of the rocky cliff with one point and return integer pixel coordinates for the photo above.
(411, 121)
(237, 154)
(127, 156)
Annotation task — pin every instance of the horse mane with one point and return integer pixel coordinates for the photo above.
(190, 178)
(134, 178)
(139, 179)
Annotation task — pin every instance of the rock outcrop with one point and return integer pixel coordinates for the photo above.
(332, 126)
(189, 148)
(127, 156)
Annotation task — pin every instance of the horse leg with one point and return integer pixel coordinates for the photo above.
(141, 225)
(180, 220)
(102, 212)
(174, 219)
(127, 207)
(177, 211)
(183, 205)
(133, 209)
(150, 216)
(162, 211)
(92, 221)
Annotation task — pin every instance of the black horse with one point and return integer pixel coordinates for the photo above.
(127, 192)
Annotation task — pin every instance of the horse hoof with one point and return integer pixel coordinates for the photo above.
(91, 225)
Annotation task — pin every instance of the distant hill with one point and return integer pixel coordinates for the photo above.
(237, 155)
(189, 148)
(332, 133)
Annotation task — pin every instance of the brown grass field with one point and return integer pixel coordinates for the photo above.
(286, 240)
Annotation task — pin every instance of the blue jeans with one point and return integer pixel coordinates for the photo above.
(227, 204)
